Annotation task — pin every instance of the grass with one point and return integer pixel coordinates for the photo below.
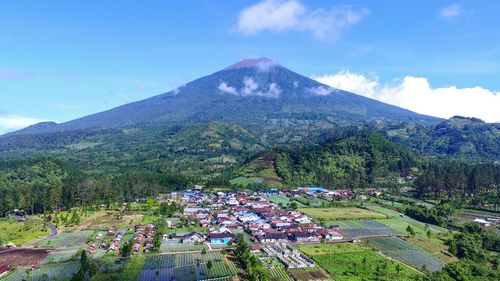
(106, 220)
(356, 262)
(21, 233)
(133, 268)
(335, 213)
(434, 245)
(332, 249)
(243, 181)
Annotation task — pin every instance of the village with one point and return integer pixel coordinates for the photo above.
(293, 232)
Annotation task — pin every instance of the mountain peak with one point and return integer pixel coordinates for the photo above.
(261, 63)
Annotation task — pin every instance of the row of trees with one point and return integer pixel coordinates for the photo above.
(44, 185)
(478, 184)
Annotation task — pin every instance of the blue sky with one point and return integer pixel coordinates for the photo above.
(60, 60)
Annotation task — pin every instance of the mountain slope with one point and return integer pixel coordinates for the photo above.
(247, 93)
(457, 136)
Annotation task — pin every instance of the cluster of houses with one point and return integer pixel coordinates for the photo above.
(113, 246)
(142, 232)
(266, 222)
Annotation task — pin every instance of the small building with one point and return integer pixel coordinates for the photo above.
(193, 237)
(304, 236)
(220, 238)
(334, 235)
(272, 236)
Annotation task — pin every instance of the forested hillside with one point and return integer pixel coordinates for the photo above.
(352, 162)
(453, 177)
(459, 137)
(40, 185)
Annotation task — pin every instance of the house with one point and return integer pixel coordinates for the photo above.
(272, 236)
(193, 237)
(333, 235)
(304, 236)
(220, 238)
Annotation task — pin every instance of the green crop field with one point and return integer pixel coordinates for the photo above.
(356, 262)
(21, 233)
(68, 240)
(331, 214)
(399, 223)
(406, 252)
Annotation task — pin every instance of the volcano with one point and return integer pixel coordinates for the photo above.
(248, 93)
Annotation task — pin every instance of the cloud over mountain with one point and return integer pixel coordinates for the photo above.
(10, 122)
(286, 15)
(251, 88)
(416, 94)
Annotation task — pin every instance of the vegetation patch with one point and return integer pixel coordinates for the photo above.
(21, 233)
(334, 213)
(355, 261)
(406, 252)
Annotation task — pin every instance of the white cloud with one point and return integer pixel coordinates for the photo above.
(416, 94)
(284, 15)
(251, 88)
(9, 123)
(320, 91)
(451, 11)
(225, 88)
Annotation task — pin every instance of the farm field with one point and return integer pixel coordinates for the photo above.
(187, 267)
(308, 274)
(60, 272)
(22, 257)
(356, 262)
(21, 233)
(68, 240)
(406, 252)
(110, 220)
(180, 247)
(434, 245)
(399, 223)
(348, 213)
(61, 255)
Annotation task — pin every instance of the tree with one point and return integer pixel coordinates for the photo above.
(398, 268)
(126, 248)
(293, 206)
(204, 251)
(209, 265)
(87, 268)
(428, 234)
(410, 230)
